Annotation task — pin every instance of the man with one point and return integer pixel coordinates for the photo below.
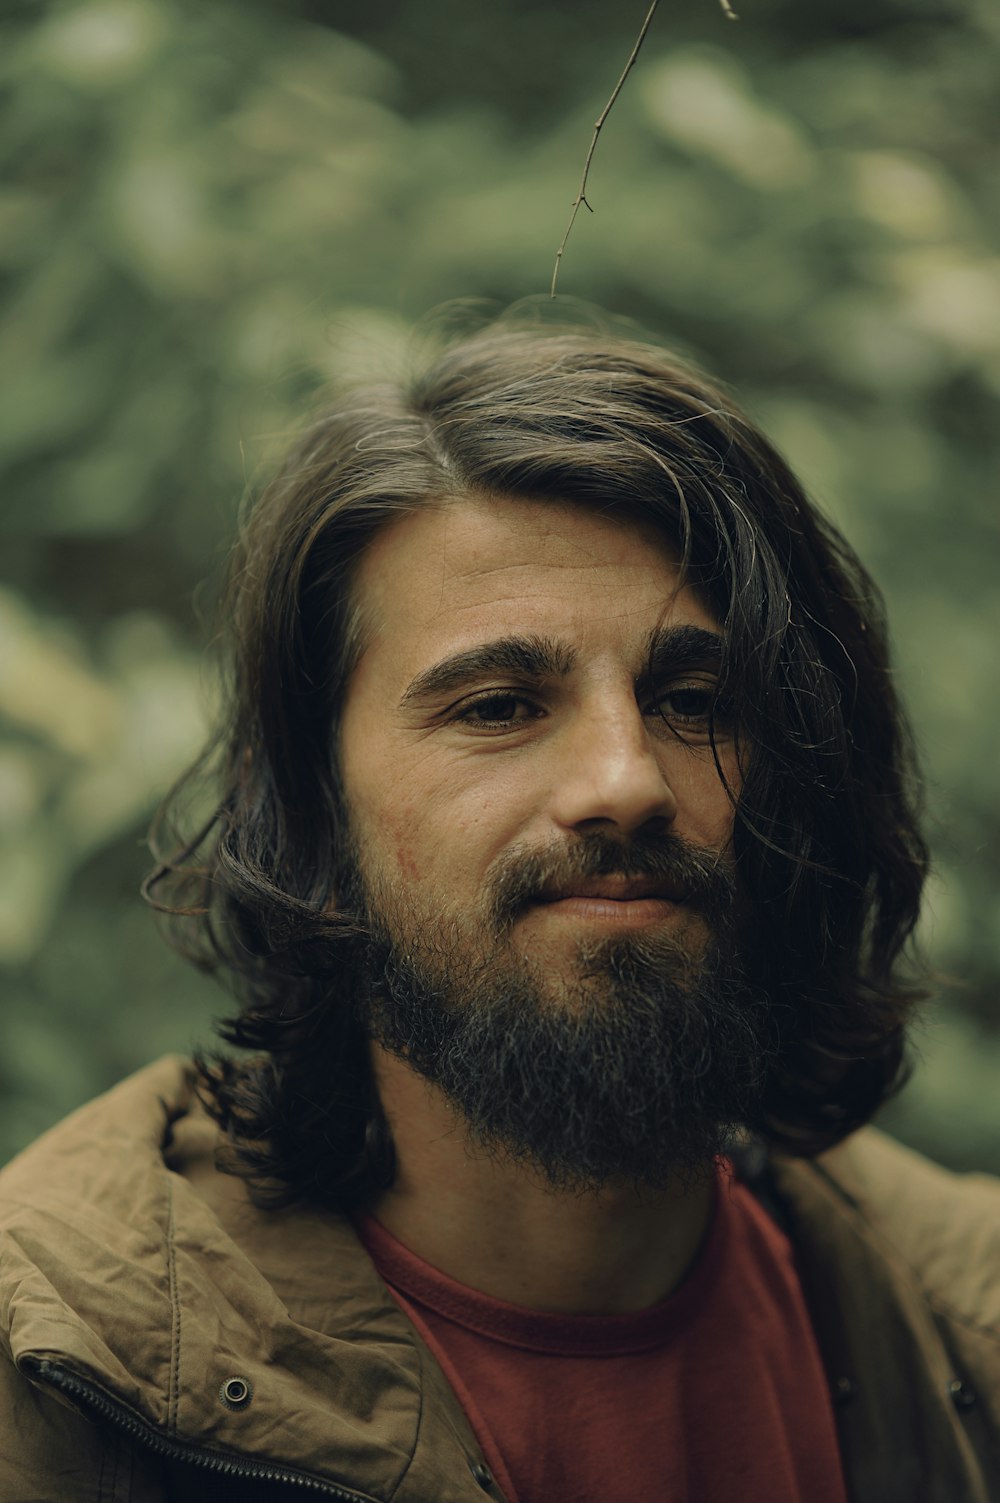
(564, 857)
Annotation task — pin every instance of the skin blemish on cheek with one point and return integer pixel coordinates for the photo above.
(406, 862)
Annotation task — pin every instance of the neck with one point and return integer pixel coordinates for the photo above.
(502, 1229)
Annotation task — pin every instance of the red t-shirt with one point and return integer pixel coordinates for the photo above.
(717, 1395)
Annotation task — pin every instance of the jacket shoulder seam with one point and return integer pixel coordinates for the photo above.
(933, 1296)
(955, 1316)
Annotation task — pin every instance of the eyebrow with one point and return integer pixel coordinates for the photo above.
(668, 649)
(531, 656)
(676, 649)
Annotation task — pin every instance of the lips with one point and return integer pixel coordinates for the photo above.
(613, 889)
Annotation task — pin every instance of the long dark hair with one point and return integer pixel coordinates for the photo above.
(826, 833)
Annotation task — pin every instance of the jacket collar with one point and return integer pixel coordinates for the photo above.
(131, 1263)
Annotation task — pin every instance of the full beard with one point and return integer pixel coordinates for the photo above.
(633, 1065)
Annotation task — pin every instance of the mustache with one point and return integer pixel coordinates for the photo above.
(707, 879)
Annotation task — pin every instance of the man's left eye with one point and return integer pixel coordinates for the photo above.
(686, 705)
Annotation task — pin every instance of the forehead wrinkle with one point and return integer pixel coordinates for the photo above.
(619, 617)
(458, 592)
(590, 565)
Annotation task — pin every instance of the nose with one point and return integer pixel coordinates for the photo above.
(610, 774)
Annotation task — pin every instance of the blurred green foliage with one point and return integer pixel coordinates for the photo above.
(208, 211)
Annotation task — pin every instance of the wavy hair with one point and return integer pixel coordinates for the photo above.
(826, 832)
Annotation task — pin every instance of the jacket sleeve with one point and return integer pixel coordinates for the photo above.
(51, 1453)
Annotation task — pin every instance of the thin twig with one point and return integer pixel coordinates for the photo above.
(581, 197)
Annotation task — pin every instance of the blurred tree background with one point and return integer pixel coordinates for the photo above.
(208, 211)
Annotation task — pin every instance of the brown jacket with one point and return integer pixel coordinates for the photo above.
(135, 1282)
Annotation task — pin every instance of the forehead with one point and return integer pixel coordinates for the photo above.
(465, 569)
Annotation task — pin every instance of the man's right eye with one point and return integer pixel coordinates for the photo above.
(493, 711)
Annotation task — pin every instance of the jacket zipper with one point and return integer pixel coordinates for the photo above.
(228, 1465)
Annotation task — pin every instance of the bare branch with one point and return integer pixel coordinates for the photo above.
(581, 197)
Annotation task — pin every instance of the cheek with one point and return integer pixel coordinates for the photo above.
(392, 842)
(705, 813)
(720, 815)
(409, 839)
(426, 846)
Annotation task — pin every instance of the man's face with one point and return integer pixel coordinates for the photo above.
(541, 831)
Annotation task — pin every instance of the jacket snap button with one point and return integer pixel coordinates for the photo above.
(482, 1476)
(236, 1393)
(962, 1396)
(844, 1391)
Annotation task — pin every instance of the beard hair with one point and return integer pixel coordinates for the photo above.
(637, 1066)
